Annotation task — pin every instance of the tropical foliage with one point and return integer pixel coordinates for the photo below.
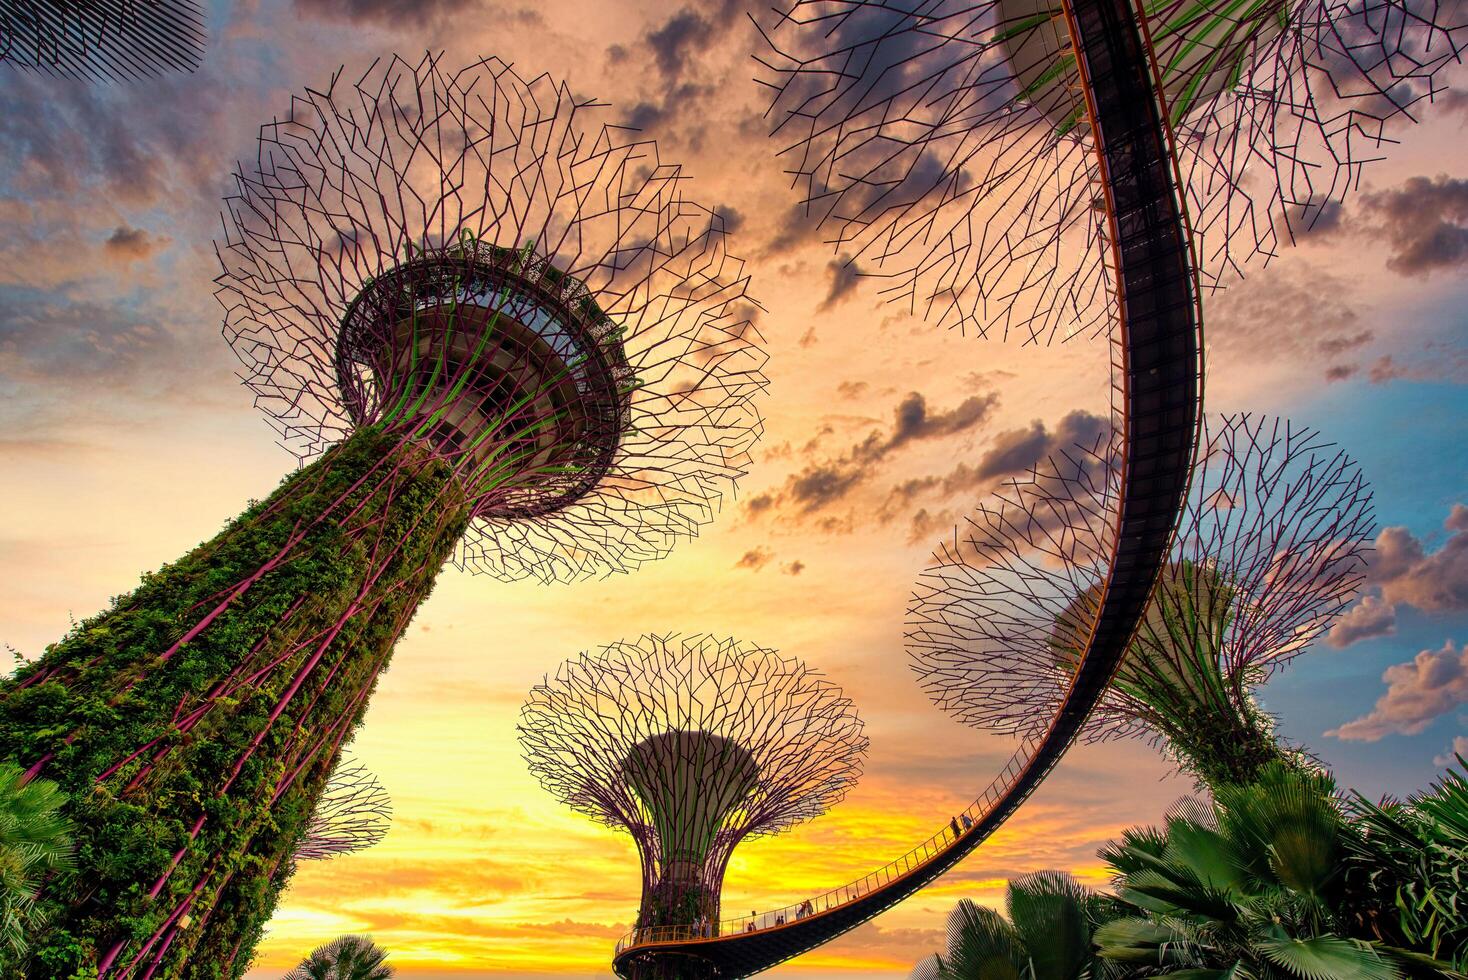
(1409, 865)
(1278, 879)
(35, 838)
(347, 958)
(1047, 936)
(1253, 886)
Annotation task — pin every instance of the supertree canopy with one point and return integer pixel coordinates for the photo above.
(353, 813)
(949, 145)
(691, 744)
(508, 265)
(101, 40)
(496, 333)
(1269, 550)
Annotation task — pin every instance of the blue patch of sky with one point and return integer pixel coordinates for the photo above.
(1409, 438)
(1326, 687)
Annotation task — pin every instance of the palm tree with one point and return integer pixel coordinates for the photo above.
(346, 958)
(35, 839)
(1048, 935)
(1252, 886)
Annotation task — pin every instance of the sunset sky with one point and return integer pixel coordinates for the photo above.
(127, 439)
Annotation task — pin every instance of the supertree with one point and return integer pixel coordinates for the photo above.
(101, 40)
(691, 744)
(954, 149)
(353, 813)
(1269, 550)
(496, 334)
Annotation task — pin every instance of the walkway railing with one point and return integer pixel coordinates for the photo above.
(969, 820)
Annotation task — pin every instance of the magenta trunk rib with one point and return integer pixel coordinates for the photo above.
(219, 751)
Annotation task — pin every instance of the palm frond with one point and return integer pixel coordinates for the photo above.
(1047, 909)
(1144, 942)
(1286, 826)
(1177, 890)
(1446, 803)
(35, 838)
(982, 944)
(1234, 972)
(1209, 857)
(927, 968)
(1420, 966)
(344, 958)
(1326, 958)
(1137, 843)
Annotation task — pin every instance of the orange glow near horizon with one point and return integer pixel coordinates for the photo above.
(108, 473)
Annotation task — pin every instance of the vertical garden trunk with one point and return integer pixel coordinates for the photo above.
(195, 723)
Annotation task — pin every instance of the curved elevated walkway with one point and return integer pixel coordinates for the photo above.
(1158, 344)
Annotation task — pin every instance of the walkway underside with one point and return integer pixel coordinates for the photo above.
(1159, 339)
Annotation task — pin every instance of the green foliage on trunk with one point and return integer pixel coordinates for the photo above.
(336, 561)
(677, 903)
(1203, 710)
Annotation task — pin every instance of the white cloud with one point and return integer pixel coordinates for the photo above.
(1418, 691)
(1459, 747)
